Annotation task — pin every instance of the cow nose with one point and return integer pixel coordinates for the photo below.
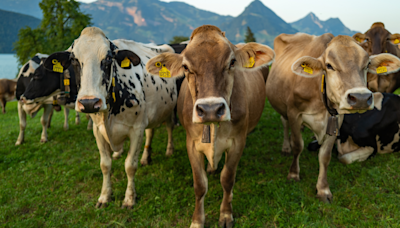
(210, 112)
(360, 100)
(89, 105)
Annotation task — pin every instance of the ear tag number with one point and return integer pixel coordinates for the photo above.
(164, 72)
(322, 83)
(381, 69)
(66, 82)
(396, 41)
(125, 63)
(250, 64)
(307, 69)
(57, 66)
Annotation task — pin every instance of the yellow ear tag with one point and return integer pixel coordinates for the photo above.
(322, 83)
(164, 72)
(307, 69)
(381, 69)
(113, 82)
(250, 64)
(396, 41)
(125, 63)
(113, 95)
(57, 66)
(55, 102)
(66, 82)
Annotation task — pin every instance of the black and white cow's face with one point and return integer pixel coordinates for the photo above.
(93, 57)
(43, 84)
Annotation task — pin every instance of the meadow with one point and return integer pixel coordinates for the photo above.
(57, 184)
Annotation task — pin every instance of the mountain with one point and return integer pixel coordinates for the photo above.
(263, 22)
(10, 24)
(28, 7)
(149, 20)
(311, 24)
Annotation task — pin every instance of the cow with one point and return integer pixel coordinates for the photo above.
(25, 76)
(314, 81)
(220, 102)
(7, 91)
(375, 41)
(121, 98)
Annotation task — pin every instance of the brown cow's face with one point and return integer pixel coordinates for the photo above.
(345, 65)
(210, 63)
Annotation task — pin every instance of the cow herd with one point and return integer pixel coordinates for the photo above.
(218, 90)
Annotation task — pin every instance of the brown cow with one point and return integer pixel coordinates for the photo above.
(7, 91)
(299, 99)
(375, 41)
(219, 103)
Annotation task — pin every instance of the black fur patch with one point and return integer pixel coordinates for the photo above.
(26, 67)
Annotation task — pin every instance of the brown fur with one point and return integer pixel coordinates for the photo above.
(7, 91)
(208, 57)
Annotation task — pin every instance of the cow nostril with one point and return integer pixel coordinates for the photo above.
(370, 99)
(352, 98)
(200, 111)
(221, 110)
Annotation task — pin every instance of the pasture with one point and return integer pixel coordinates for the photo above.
(57, 184)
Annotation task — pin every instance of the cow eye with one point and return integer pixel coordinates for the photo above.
(185, 67)
(232, 63)
(329, 66)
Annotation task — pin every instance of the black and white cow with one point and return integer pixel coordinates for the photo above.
(122, 98)
(366, 134)
(376, 131)
(25, 76)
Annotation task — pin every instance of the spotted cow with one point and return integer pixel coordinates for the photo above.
(375, 41)
(220, 102)
(7, 91)
(121, 97)
(314, 81)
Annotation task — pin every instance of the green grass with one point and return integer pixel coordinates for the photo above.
(57, 184)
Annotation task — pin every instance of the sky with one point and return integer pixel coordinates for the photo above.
(355, 14)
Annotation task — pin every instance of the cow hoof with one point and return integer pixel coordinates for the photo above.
(145, 162)
(196, 225)
(226, 221)
(66, 128)
(293, 177)
(18, 143)
(43, 140)
(326, 198)
(170, 151)
(101, 205)
(129, 207)
(77, 122)
(285, 154)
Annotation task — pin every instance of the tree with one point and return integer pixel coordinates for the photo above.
(62, 23)
(249, 37)
(178, 39)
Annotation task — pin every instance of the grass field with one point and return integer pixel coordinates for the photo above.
(57, 184)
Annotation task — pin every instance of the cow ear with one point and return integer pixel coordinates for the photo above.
(166, 61)
(126, 57)
(308, 67)
(359, 37)
(253, 55)
(395, 38)
(384, 64)
(58, 61)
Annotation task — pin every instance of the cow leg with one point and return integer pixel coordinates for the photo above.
(297, 145)
(131, 164)
(286, 140)
(3, 104)
(44, 120)
(146, 157)
(228, 175)
(105, 165)
(22, 124)
(77, 118)
(170, 127)
(324, 156)
(49, 120)
(66, 114)
(200, 183)
(90, 123)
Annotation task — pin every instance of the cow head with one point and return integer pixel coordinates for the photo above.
(210, 63)
(344, 65)
(93, 56)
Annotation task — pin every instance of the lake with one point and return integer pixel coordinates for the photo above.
(8, 66)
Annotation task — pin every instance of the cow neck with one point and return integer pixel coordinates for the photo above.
(65, 89)
(333, 123)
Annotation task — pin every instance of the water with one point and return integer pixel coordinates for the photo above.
(8, 66)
